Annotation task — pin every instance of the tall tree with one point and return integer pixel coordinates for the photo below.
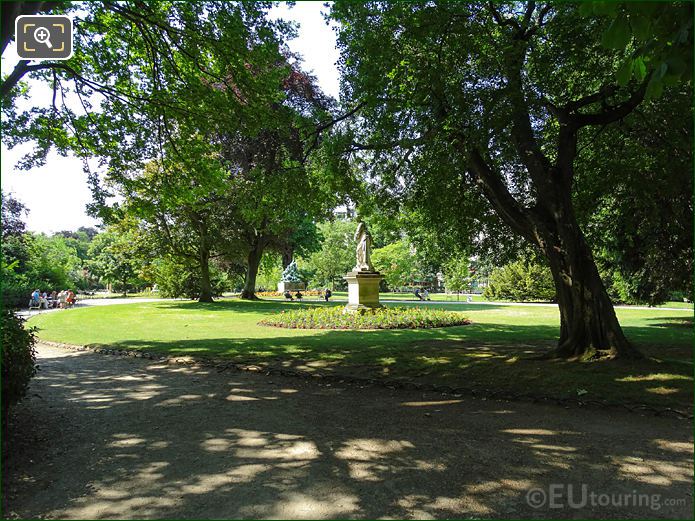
(141, 77)
(114, 259)
(337, 253)
(280, 187)
(477, 97)
(15, 250)
(457, 275)
(183, 209)
(398, 263)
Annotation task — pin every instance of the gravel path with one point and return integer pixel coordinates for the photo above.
(102, 437)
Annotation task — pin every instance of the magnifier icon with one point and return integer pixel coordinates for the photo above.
(42, 35)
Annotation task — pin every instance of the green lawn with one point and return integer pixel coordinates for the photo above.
(489, 354)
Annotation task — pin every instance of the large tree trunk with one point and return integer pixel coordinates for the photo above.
(254, 261)
(589, 327)
(205, 286)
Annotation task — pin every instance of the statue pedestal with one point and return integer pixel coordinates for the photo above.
(363, 290)
(290, 286)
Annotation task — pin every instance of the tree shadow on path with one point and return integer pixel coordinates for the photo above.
(130, 438)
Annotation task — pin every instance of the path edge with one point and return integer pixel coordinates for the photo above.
(222, 364)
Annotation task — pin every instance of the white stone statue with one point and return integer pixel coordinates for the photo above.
(364, 248)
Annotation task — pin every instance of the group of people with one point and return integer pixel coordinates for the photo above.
(63, 300)
(323, 295)
(422, 295)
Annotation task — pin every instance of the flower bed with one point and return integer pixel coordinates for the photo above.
(333, 317)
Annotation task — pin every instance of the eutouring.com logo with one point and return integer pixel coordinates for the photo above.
(569, 496)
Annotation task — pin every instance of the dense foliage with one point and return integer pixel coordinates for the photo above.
(521, 281)
(336, 255)
(18, 360)
(398, 264)
(473, 128)
(335, 317)
(457, 275)
(178, 280)
(33, 260)
(205, 119)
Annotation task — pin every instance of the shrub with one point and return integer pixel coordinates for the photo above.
(521, 281)
(18, 359)
(334, 317)
(15, 296)
(177, 280)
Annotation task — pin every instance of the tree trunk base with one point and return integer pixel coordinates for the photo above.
(248, 295)
(206, 299)
(573, 351)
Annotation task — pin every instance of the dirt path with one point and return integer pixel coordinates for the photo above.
(101, 437)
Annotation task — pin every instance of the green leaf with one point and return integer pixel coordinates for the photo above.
(639, 68)
(646, 9)
(625, 72)
(641, 27)
(661, 71)
(670, 80)
(617, 35)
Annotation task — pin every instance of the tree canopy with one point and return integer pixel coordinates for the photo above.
(480, 108)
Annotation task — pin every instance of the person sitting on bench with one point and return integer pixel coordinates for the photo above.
(35, 301)
(288, 295)
(298, 295)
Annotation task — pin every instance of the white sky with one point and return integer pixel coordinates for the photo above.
(57, 193)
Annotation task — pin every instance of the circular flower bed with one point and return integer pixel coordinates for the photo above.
(333, 317)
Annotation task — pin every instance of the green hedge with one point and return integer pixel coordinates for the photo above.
(175, 280)
(521, 281)
(15, 296)
(18, 359)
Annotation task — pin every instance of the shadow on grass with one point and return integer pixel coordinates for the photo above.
(668, 322)
(479, 356)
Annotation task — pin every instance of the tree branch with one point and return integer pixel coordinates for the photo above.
(530, 7)
(501, 20)
(11, 10)
(495, 191)
(604, 93)
(17, 74)
(613, 113)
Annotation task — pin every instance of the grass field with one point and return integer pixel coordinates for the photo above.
(486, 355)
